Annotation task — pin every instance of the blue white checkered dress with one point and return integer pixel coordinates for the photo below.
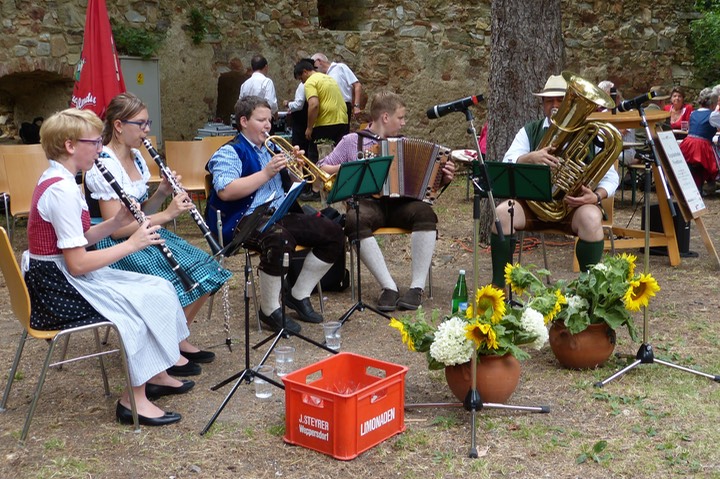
(198, 264)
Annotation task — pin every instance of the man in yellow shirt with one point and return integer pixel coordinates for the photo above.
(327, 112)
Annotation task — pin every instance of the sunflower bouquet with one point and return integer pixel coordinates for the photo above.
(608, 292)
(488, 327)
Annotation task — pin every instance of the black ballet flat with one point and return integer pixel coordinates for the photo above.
(199, 356)
(124, 416)
(189, 369)
(154, 391)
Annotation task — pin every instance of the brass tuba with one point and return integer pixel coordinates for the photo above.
(310, 172)
(573, 139)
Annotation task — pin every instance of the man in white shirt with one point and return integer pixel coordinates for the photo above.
(259, 84)
(349, 84)
(585, 219)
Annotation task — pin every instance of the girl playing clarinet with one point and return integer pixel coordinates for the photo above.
(126, 125)
(70, 286)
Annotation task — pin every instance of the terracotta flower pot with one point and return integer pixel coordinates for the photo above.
(587, 349)
(497, 378)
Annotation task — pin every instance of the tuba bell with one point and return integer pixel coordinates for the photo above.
(310, 172)
(574, 141)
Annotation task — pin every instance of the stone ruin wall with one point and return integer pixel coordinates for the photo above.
(428, 51)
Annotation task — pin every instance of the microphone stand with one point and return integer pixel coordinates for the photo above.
(473, 402)
(645, 353)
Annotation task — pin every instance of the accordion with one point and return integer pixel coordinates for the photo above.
(416, 169)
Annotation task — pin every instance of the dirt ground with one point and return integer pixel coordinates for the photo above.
(655, 421)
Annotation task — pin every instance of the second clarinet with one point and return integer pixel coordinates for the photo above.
(184, 278)
(178, 190)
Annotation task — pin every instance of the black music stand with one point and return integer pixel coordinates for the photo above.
(519, 181)
(491, 178)
(357, 179)
(290, 198)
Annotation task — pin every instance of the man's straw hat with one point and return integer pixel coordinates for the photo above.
(554, 86)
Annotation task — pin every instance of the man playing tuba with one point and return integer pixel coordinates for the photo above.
(585, 217)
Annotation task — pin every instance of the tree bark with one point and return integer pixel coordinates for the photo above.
(527, 47)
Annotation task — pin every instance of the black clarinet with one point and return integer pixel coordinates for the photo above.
(186, 281)
(178, 190)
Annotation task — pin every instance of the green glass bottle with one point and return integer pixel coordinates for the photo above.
(460, 295)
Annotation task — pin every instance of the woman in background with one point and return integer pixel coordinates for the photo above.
(126, 125)
(679, 110)
(697, 146)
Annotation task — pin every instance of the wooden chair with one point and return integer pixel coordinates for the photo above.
(383, 232)
(188, 159)
(215, 142)
(24, 164)
(20, 303)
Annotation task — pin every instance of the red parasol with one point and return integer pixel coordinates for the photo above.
(97, 76)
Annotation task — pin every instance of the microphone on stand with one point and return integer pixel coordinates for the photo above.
(613, 95)
(636, 102)
(458, 105)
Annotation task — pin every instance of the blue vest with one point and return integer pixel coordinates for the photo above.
(231, 212)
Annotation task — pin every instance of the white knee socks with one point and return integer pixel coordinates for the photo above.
(311, 273)
(373, 260)
(423, 245)
(269, 293)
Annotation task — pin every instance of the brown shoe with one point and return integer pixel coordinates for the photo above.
(411, 299)
(388, 300)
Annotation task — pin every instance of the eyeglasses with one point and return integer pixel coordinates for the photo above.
(141, 124)
(98, 142)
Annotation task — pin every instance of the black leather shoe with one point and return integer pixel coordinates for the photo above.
(275, 321)
(199, 356)
(304, 309)
(388, 300)
(189, 369)
(154, 391)
(124, 416)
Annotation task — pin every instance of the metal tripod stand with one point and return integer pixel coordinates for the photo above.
(473, 401)
(248, 373)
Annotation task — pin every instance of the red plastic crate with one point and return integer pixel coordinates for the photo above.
(344, 405)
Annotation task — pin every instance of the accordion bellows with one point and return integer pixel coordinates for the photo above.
(416, 169)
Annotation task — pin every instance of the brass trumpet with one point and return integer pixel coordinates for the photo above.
(309, 172)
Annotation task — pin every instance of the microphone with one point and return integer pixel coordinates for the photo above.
(636, 102)
(458, 105)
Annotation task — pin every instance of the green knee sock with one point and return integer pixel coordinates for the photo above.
(589, 253)
(500, 254)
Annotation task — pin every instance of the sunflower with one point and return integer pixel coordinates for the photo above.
(630, 259)
(481, 333)
(406, 339)
(560, 300)
(488, 298)
(640, 291)
(509, 279)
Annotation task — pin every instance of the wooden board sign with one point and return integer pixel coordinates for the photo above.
(680, 178)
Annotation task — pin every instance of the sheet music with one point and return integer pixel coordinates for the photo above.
(290, 197)
(680, 170)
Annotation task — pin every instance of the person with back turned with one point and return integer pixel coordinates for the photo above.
(584, 220)
(349, 84)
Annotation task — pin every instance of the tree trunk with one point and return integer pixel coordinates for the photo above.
(527, 48)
